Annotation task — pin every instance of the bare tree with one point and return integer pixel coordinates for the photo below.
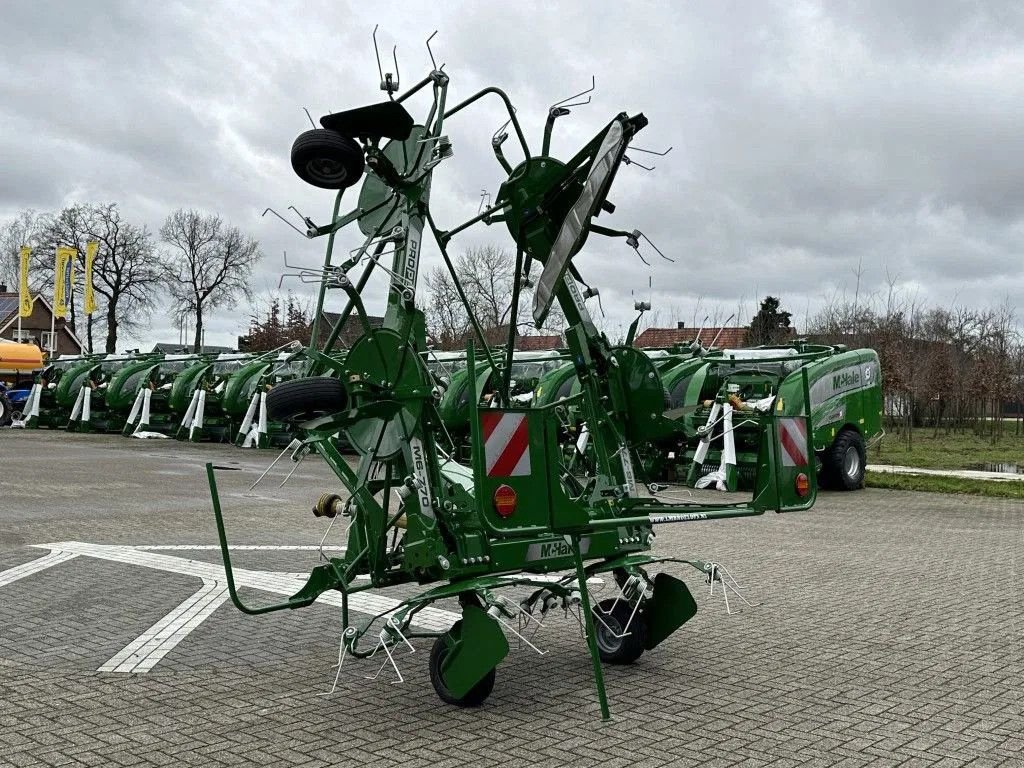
(21, 230)
(486, 275)
(447, 318)
(207, 265)
(125, 273)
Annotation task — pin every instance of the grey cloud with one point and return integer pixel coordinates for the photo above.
(808, 137)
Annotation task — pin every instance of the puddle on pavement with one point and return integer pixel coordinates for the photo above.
(1005, 467)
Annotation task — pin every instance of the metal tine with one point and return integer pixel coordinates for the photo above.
(485, 200)
(282, 218)
(305, 219)
(376, 52)
(311, 122)
(327, 533)
(651, 243)
(342, 650)
(625, 630)
(397, 630)
(626, 159)
(715, 572)
(279, 457)
(518, 608)
(382, 644)
(433, 62)
(578, 615)
(517, 634)
(584, 92)
(501, 129)
(292, 472)
(633, 148)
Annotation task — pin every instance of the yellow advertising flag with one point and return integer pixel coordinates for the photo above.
(89, 301)
(62, 280)
(24, 295)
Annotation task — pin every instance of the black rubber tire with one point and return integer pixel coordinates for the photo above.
(476, 695)
(306, 399)
(327, 160)
(843, 473)
(619, 650)
(6, 410)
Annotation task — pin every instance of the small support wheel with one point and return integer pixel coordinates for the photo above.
(307, 398)
(327, 159)
(476, 695)
(613, 645)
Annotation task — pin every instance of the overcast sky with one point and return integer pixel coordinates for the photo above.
(808, 137)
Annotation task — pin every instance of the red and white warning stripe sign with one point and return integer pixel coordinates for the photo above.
(506, 443)
(793, 440)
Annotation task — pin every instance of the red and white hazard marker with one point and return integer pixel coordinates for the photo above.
(793, 440)
(506, 443)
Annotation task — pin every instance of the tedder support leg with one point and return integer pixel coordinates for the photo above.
(595, 658)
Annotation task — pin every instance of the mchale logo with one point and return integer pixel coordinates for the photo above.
(845, 379)
(555, 549)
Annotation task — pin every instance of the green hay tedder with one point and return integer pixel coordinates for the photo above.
(514, 515)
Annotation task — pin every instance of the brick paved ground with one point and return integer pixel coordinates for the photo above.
(889, 631)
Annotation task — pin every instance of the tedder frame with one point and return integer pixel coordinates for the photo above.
(517, 515)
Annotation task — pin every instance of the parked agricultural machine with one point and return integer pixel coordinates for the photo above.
(723, 398)
(515, 515)
(18, 363)
(52, 397)
(454, 409)
(718, 399)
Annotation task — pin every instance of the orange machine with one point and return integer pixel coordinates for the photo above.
(19, 358)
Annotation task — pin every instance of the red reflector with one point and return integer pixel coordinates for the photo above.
(803, 485)
(504, 501)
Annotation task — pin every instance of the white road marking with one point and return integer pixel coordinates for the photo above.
(433, 619)
(142, 654)
(55, 557)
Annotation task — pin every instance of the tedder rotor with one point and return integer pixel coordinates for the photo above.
(517, 514)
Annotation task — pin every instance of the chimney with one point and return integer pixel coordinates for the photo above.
(3, 287)
(680, 325)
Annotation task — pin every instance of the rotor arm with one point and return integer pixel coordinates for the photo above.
(508, 105)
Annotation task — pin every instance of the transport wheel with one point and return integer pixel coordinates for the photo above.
(326, 159)
(476, 695)
(6, 410)
(305, 399)
(845, 461)
(609, 622)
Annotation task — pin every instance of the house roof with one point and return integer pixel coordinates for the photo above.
(9, 302)
(538, 343)
(658, 338)
(168, 348)
(8, 306)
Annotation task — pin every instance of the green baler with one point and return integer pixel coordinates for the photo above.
(845, 405)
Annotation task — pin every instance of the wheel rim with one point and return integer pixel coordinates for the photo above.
(851, 462)
(606, 627)
(326, 170)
